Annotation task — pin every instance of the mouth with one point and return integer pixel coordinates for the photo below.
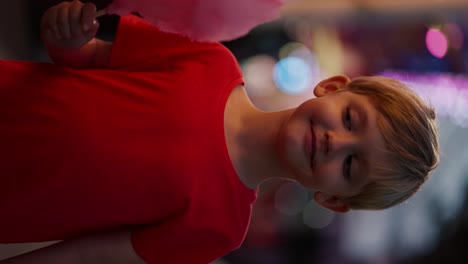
(310, 145)
(313, 145)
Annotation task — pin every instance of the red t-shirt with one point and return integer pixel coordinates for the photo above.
(140, 144)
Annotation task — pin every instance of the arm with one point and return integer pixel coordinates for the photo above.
(68, 30)
(115, 248)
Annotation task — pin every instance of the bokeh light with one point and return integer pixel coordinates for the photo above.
(287, 49)
(436, 42)
(315, 216)
(308, 57)
(291, 198)
(292, 75)
(454, 35)
(258, 75)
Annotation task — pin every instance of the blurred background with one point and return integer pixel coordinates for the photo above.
(421, 42)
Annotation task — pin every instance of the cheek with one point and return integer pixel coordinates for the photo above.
(328, 173)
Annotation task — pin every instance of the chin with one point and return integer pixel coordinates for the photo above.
(304, 179)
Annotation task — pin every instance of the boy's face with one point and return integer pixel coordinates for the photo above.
(332, 142)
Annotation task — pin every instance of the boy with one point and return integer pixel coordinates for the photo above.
(148, 150)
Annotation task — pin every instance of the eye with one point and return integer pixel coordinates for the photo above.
(347, 119)
(347, 167)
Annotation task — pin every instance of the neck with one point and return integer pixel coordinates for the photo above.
(251, 137)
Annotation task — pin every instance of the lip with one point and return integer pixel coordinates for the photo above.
(310, 144)
(313, 145)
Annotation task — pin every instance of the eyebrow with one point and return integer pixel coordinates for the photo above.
(362, 169)
(362, 116)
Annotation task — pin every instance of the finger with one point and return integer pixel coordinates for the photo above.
(48, 35)
(92, 31)
(88, 16)
(63, 21)
(50, 22)
(75, 18)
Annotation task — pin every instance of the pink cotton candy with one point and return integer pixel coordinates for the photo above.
(202, 20)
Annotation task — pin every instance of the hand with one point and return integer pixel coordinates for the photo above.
(69, 25)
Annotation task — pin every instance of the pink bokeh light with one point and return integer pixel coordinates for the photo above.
(436, 43)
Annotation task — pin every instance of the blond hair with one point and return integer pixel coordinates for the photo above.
(410, 133)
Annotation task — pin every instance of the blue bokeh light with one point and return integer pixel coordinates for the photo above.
(292, 75)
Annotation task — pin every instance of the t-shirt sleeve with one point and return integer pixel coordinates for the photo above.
(178, 241)
(139, 46)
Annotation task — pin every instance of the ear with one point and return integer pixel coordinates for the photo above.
(330, 202)
(331, 85)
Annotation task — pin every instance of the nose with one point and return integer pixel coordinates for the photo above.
(338, 143)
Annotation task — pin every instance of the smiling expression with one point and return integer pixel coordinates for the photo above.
(331, 143)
